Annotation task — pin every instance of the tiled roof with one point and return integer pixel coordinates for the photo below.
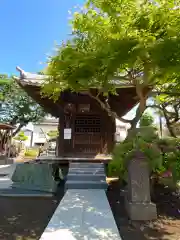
(27, 78)
(5, 126)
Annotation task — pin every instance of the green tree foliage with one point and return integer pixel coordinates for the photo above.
(167, 102)
(167, 105)
(171, 156)
(146, 120)
(4, 84)
(16, 107)
(21, 137)
(136, 42)
(53, 134)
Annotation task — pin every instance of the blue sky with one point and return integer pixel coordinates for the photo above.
(29, 29)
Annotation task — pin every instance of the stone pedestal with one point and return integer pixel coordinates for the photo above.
(35, 176)
(138, 200)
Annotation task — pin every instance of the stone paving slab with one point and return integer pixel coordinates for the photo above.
(82, 215)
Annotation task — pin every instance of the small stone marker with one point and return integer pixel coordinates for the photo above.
(138, 202)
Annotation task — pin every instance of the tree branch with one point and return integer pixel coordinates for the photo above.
(107, 108)
(168, 124)
(14, 121)
(177, 114)
(137, 117)
(18, 129)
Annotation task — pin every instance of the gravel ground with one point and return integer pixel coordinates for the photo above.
(166, 227)
(25, 218)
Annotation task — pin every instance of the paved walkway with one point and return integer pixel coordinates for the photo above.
(6, 172)
(82, 215)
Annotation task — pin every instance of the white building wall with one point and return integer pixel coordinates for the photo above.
(121, 131)
(39, 130)
(49, 124)
(28, 141)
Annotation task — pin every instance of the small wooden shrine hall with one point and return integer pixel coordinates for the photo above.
(85, 129)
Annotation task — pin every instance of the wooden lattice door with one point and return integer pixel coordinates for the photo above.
(87, 137)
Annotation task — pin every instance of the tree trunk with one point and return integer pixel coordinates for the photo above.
(170, 129)
(168, 124)
(139, 112)
(13, 121)
(136, 119)
(3, 140)
(142, 101)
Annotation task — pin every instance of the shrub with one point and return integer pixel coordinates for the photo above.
(163, 155)
(169, 142)
(31, 153)
(146, 120)
(170, 148)
(144, 141)
(174, 163)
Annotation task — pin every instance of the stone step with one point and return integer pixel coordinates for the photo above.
(87, 174)
(86, 170)
(86, 184)
(86, 165)
(51, 151)
(15, 192)
(50, 155)
(86, 177)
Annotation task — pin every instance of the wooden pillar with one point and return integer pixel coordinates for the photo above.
(111, 132)
(60, 146)
(31, 140)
